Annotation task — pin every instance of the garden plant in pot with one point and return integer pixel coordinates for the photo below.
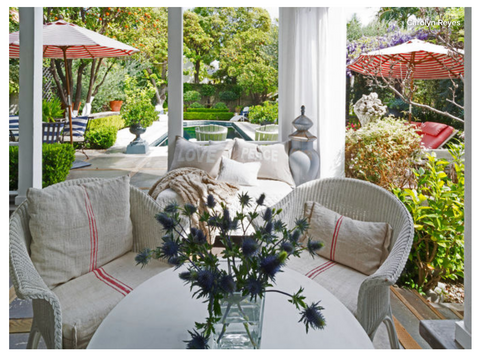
(138, 113)
(234, 283)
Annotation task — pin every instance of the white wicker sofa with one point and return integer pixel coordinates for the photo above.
(67, 315)
(367, 297)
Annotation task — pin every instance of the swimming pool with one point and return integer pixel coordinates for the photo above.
(189, 131)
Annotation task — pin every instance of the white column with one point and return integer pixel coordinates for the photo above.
(30, 99)
(463, 329)
(175, 78)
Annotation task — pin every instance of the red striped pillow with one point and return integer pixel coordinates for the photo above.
(360, 245)
(77, 229)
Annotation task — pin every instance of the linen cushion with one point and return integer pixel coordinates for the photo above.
(274, 159)
(189, 154)
(340, 280)
(360, 245)
(228, 149)
(239, 173)
(87, 300)
(77, 228)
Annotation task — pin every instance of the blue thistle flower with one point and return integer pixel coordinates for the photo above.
(198, 341)
(205, 279)
(189, 209)
(313, 246)
(244, 199)
(200, 237)
(211, 201)
(295, 236)
(177, 261)
(172, 207)
(312, 317)
(269, 227)
(169, 248)
(227, 284)
(249, 247)
(278, 225)
(286, 246)
(167, 222)
(270, 265)
(261, 199)
(254, 287)
(143, 257)
(267, 215)
(302, 225)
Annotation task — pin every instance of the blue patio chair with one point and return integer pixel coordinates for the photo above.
(13, 127)
(52, 132)
(79, 127)
(245, 111)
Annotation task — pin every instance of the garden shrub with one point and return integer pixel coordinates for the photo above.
(138, 107)
(57, 160)
(114, 120)
(268, 111)
(207, 116)
(196, 105)
(191, 96)
(382, 152)
(101, 138)
(220, 105)
(436, 204)
(207, 110)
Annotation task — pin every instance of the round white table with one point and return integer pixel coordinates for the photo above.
(158, 313)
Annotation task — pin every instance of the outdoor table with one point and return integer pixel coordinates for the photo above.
(159, 312)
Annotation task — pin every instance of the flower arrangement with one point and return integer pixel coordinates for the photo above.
(251, 264)
(369, 108)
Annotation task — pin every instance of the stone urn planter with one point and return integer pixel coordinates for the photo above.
(115, 105)
(138, 145)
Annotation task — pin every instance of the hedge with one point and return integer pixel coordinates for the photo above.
(102, 133)
(57, 160)
(207, 110)
(208, 116)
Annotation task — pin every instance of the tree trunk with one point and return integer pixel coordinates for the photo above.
(196, 78)
(78, 91)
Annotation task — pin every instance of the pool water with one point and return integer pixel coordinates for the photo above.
(189, 132)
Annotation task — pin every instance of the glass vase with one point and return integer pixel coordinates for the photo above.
(240, 326)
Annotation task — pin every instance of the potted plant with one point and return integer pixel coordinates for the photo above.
(235, 287)
(116, 104)
(138, 113)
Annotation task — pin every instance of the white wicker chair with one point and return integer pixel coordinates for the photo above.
(361, 200)
(47, 312)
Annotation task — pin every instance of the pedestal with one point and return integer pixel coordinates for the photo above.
(137, 147)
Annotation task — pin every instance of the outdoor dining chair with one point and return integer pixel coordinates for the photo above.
(51, 132)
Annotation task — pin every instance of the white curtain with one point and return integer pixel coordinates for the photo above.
(312, 50)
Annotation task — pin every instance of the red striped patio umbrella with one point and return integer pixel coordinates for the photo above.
(68, 41)
(414, 59)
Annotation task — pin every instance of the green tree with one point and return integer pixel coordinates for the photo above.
(398, 14)
(197, 42)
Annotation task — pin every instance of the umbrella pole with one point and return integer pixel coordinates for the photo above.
(67, 76)
(410, 104)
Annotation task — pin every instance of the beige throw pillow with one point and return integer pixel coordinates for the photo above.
(239, 173)
(77, 229)
(274, 159)
(203, 157)
(360, 245)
